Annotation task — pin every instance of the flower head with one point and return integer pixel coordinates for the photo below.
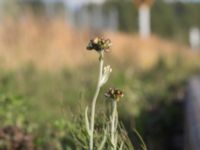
(99, 44)
(114, 94)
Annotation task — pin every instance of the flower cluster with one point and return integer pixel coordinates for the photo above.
(114, 94)
(99, 44)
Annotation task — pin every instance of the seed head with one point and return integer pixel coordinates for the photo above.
(114, 94)
(99, 44)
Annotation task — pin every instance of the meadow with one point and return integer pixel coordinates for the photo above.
(48, 78)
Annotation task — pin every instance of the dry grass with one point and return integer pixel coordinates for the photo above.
(42, 43)
(146, 52)
(54, 45)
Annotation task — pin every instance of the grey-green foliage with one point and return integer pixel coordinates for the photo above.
(80, 138)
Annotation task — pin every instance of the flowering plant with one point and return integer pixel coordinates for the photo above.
(106, 132)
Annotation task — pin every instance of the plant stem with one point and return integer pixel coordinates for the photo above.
(94, 101)
(114, 122)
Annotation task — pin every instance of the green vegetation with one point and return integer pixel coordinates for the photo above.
(45, 104)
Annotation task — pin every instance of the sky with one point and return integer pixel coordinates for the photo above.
(78, 3)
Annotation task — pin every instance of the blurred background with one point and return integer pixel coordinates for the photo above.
(48, 77)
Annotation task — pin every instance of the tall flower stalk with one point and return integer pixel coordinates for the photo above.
(95, 99)
(100, 45)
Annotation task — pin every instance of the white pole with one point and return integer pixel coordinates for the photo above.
(194, 38)
(144, 21)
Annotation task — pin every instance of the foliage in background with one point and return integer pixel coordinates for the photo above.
(170, 20)
(46, 96)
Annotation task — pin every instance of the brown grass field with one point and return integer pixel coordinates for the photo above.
(54, 45)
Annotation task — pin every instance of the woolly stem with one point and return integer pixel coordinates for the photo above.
(92, 119)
